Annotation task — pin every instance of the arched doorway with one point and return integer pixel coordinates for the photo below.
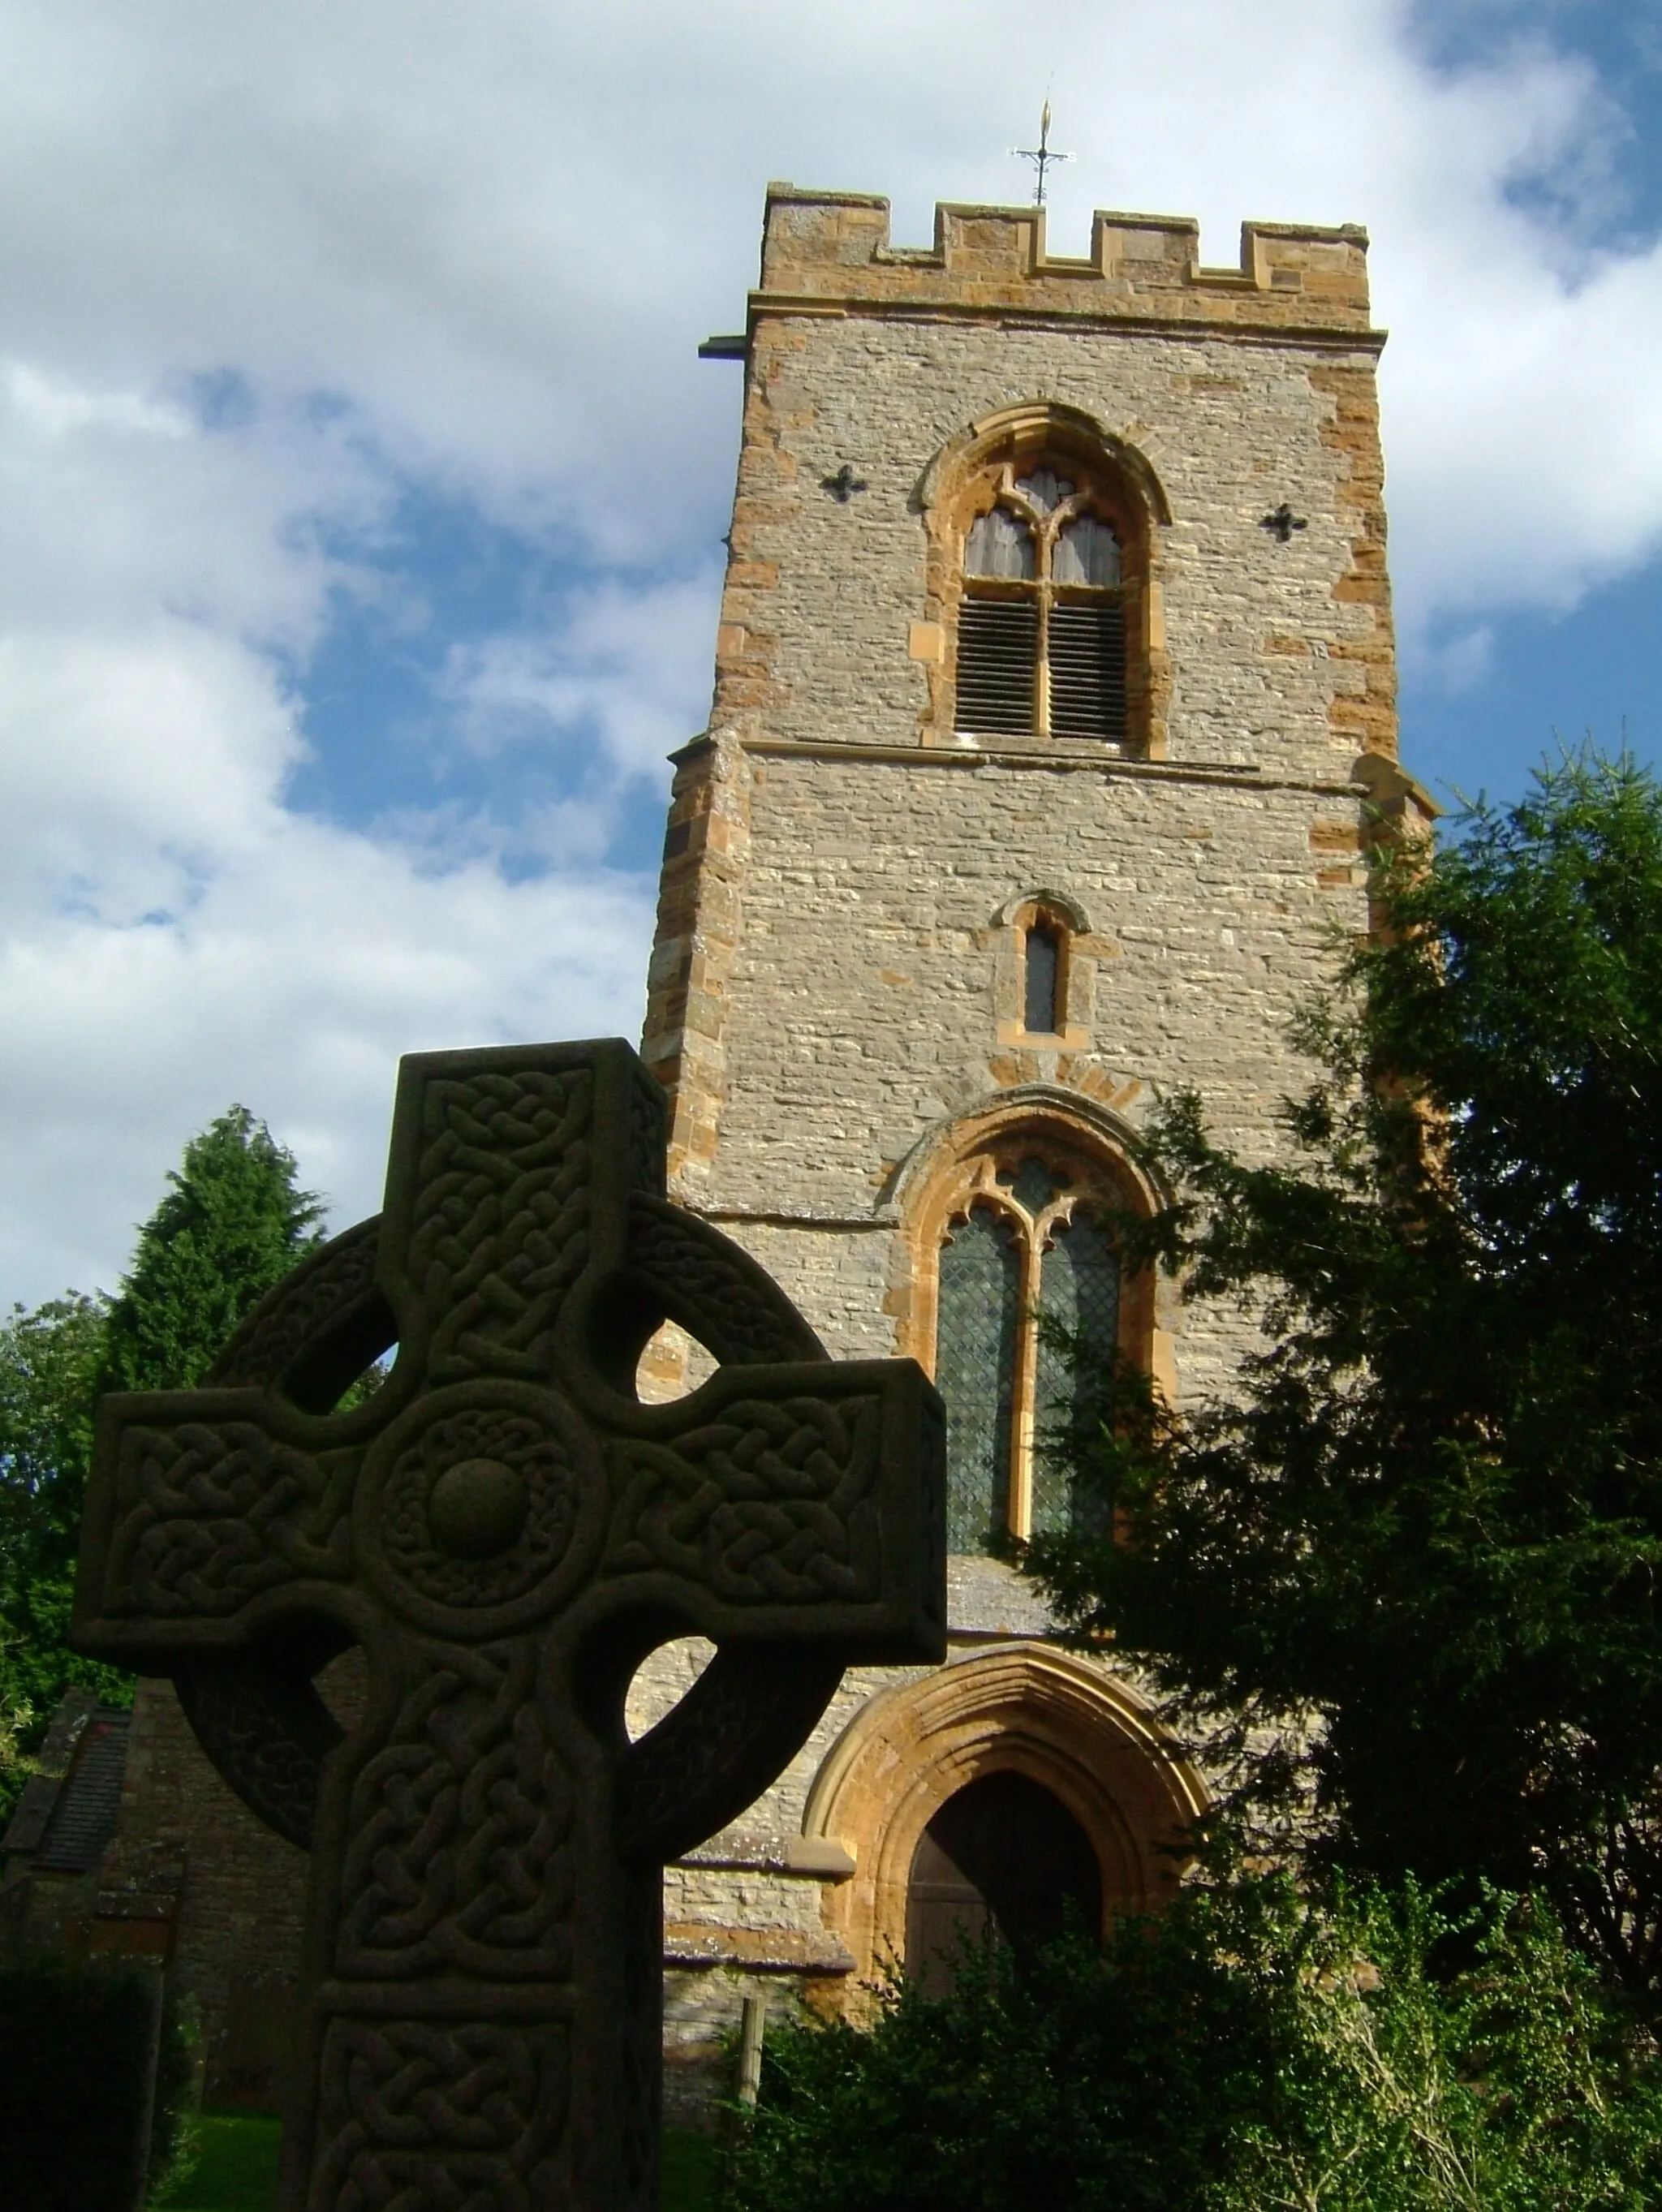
(1002, 1860)
(1083, 1735)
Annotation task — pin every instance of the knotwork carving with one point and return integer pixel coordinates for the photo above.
(713, 1289)
(265, 1725)
(421, 2116)
(216, 1513)
(769, 1502)
(460, 1824)
(479, 1503)
(320, 1327)
(507, 1532)
(500, 1230)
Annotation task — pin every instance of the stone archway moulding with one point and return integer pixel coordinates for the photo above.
(960, 482)
(1024, 1708)
(927, 1189)
(1038, 419)
(954, 1136)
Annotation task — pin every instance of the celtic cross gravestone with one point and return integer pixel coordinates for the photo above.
(505, 1531)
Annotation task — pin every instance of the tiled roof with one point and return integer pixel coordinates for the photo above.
(83, 1818)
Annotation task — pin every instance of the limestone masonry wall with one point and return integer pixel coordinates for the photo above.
(1280, 653)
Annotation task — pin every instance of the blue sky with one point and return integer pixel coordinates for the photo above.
(1499, 687)
(361, 493)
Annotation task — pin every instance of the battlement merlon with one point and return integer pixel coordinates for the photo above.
(825, 251)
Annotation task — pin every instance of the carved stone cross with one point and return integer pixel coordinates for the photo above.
(507, 1532)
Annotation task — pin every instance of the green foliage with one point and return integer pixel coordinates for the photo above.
(1432, 1525)
(232, 1225)
(49, 1362)
(1242, 2051)
(687, 2171)
(75, 2054)
(235, 2168)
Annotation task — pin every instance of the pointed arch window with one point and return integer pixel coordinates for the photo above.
(1026, 1262)
(1041, 625)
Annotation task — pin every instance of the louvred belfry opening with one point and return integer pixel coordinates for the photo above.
(998, 667)
(1087, 671)
(1041, 626)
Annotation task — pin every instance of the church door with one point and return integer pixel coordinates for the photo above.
(999, 1862)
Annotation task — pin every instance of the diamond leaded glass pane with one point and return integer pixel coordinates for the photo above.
(1079, 1330)
(980, 1282)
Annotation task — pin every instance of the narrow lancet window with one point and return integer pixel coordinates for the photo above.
(980, 1286)
(1042, 1011)
(1078, 1335)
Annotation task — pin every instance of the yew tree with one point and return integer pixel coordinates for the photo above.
(1408, 1584)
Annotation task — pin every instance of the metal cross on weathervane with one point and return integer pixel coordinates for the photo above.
(1042, 157)
(507, 1532)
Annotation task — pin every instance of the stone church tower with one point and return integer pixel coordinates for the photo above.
(1054, 683)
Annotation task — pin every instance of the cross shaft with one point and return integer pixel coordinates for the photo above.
(507, 1532)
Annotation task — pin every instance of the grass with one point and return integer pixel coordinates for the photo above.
(236, 2168)
(686, 2179)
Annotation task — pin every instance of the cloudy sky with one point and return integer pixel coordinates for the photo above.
(361, 493)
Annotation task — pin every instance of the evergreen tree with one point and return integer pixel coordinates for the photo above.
(232, 1225)
(1426, 1542)
(49, 1362)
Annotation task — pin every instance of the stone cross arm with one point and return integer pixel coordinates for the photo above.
(507, 1531)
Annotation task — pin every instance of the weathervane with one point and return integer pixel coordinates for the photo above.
(1041, 156)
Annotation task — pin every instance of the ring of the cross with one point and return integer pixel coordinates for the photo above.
(480, 1508)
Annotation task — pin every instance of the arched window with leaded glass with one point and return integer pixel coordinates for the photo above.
(1029, 1320)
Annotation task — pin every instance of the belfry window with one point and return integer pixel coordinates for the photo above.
(1027, 1326)
(1041, 627)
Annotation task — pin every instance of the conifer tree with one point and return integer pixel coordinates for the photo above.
(232, 1225)
(1426, 1533)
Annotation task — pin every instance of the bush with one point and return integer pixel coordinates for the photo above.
(75, 2055)
(1244, 2050)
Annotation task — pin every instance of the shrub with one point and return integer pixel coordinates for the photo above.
(75, 2080)
(1244, 2050)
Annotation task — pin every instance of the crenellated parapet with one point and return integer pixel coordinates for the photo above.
(832, 248)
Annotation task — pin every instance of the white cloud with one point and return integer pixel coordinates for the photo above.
(293, 987)
(266, 271)
(621, 668)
